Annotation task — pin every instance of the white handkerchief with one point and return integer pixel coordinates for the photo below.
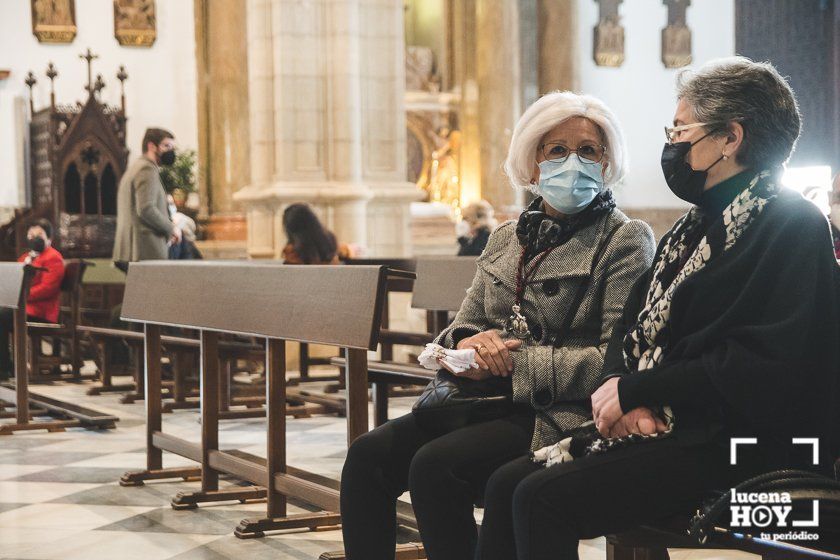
(456, 360)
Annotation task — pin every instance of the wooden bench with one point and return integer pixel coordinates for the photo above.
(47, 368)
(440, 288)
(14, 286)
(330, 305)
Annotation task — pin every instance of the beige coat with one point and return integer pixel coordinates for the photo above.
(557, 381)
(143, 224)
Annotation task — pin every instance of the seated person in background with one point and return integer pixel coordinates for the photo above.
(42, 303)
(477, 222)
(184, 249)
(308, 241)
(834, 199)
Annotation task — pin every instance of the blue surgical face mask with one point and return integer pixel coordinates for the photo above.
(570, 186)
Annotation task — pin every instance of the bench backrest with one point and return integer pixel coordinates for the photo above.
(74, 270)
(442, 282)
(336, 305)
(12, 277)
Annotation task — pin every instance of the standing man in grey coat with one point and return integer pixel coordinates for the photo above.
(144, 227)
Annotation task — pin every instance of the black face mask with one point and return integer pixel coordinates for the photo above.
(167, 157)
(37, 244)
(684, 181)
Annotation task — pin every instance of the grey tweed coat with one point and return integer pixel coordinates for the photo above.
(557, 381)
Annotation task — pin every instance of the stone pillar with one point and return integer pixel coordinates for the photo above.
(223, 114)
(558, 46)
(500, 94)
(326, 94)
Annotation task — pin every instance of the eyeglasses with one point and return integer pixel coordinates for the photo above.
(671, 132)
(558, 153)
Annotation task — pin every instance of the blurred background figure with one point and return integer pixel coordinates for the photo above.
(42, 302)
(308, 241)
(477, 222)
(834, 215)
(186, 248)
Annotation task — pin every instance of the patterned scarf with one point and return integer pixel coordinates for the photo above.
(646, 345)
(538, 231)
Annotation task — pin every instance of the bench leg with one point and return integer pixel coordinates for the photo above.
(408, 551)
(276, 518)
(153, 390)
(380, 403)
(621, 552)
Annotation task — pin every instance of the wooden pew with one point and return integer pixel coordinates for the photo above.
(440, 288)
(14, 286)
(330, 305)
(74, 271)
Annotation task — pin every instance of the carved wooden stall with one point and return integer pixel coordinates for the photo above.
(78, 155)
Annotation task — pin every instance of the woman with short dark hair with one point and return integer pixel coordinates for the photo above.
(732, 332)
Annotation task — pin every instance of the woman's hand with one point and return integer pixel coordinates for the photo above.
(491, 352)
(640, 420)
(606, 407)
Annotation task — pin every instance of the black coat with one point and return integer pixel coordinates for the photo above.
(755, 339)
(473, 246)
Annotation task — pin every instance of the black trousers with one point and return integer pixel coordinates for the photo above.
(537, 513)
(531, 512)
(446, 475)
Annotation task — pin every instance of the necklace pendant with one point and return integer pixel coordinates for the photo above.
(518, 324)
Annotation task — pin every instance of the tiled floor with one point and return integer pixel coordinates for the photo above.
(59, 498)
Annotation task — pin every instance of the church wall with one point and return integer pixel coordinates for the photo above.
(160, 90)
(642, 90)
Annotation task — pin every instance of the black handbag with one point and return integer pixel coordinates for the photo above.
(450, 402)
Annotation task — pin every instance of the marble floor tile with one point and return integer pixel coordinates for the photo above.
(35, 492)
(16, 540)
(131, 461)
(8, 472)
(108, 545)
(155, 495)
(74, 474)
(67, 516)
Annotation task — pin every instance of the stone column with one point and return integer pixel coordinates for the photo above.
(558, 45)
(223, 115)
(326, 88)
(500, 94)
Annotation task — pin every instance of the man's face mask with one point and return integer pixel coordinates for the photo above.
(167, 157)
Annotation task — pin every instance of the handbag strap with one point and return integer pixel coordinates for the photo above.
(583, 286)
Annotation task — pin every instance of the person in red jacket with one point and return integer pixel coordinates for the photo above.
(42, 303)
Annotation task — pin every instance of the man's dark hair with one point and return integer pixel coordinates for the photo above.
(156, 136)
(43, 224)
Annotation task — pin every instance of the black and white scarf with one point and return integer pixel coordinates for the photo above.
(647, 343)
(537, 231)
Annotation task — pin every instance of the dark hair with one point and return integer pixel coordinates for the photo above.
(752, 93)
(43, 224)
(311, 241)
(155, 136)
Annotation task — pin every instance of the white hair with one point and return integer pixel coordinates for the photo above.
(549, 111)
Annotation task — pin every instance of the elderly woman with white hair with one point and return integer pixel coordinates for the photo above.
(541, 309)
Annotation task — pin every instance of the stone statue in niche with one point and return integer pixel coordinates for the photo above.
(676, 36)
(609, 35)
(420, 70)
(54, 21)
(134, 22)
